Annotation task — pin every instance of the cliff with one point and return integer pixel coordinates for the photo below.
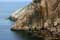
(42, 18)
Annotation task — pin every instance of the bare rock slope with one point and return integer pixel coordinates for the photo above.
(42, 18)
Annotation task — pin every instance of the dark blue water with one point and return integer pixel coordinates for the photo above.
(6, 8)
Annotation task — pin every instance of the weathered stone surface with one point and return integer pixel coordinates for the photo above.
(42, 18)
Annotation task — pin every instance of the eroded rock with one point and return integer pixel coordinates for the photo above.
(41, 18)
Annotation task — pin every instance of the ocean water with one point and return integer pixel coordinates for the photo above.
(6, 9)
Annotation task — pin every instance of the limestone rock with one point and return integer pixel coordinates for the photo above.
(42, 18)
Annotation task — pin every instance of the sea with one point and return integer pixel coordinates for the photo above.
(6, 9)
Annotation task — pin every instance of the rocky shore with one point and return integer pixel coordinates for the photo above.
(41, 18)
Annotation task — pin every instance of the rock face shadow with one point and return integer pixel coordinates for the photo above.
(26, 36)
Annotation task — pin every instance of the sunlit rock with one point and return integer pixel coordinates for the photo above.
(42, 18)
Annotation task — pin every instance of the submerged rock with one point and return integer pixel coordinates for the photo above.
(41, 18)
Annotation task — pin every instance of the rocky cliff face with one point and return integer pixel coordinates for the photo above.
(42, 17)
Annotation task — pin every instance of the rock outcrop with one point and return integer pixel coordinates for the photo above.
(42, 18)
